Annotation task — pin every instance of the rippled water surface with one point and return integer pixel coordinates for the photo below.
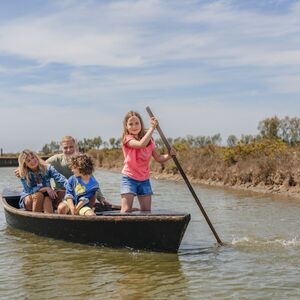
(261, 259)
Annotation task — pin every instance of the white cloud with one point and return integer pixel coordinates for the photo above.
(286, 84)
(34, 126)
(50, 44)
(124, 34)
(205, 66)
(84, 85)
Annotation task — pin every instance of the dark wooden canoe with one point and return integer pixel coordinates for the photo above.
(155, 231)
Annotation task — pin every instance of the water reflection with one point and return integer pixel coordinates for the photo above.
(260, 259)
(51, 267)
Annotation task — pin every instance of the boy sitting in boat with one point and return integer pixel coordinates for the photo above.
(81, 188)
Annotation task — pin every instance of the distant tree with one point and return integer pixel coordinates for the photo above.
(170, 140)
(284, 128)
(294, 131)
(290, 130)
(200, 141)
(216, 139)
(247, 139)
(81, 146)
(112, 142)
(105, 145)
(232, 140)
(46, 150)
(269, 128)
(179, 140)
(52, 147)
(97, 142)
(159, 143)
(118, 143)
(190, 140)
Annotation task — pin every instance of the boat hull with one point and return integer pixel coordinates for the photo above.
(155, 231)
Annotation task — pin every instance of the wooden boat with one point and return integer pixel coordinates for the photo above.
(155, 231)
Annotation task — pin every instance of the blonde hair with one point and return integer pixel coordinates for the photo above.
(126, 118)
(23, 168)
(67, 138)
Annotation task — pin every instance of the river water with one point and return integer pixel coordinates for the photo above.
(260, 260)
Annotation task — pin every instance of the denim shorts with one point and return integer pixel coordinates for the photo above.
(136, 187)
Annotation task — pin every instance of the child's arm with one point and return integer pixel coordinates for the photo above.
(146, 138)
(70, 195)
(71, 206)
(161, 158)
(57, 176)
(29, 189)
(51, 193)
(83, 201)
(100, 197)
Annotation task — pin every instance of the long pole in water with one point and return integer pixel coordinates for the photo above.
(185, 178)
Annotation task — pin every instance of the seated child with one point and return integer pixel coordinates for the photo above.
(35, 175)
(81, 188)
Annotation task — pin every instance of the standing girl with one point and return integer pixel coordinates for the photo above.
(138, 148)
(35, 175)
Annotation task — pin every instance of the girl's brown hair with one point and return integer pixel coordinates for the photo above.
(24, 170)
(127, 117)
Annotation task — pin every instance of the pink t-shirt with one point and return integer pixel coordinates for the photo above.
(136, 162)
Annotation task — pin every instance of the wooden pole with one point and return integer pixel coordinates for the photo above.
(185, 179)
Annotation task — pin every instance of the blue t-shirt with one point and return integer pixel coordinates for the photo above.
(77, 189)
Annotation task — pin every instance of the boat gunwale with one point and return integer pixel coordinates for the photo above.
(144, 217)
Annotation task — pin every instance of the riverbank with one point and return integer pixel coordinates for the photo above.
(293, 192)
(268, 167)
(283, 190)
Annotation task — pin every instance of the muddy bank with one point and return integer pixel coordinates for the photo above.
(268, 167)
(261, 188)
(285, 191)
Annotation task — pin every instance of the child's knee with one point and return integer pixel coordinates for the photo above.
(38, 197)
(89, 212)
(62, 209)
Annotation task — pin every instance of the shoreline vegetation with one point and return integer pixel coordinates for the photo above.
(267, 163)
(268, 166)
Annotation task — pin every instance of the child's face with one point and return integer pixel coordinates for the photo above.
(134, 125)
(31, 162)
(75, 171)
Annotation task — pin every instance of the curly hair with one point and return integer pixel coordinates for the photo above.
(83, 163)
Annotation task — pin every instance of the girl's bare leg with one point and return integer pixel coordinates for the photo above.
(126, 202)
(34, 202)
(145, 202)
(28, 201)
(60, 197)
(47, 205)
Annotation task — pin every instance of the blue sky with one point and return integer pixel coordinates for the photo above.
(73, 67)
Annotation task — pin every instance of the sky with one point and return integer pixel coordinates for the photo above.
(75, 67)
